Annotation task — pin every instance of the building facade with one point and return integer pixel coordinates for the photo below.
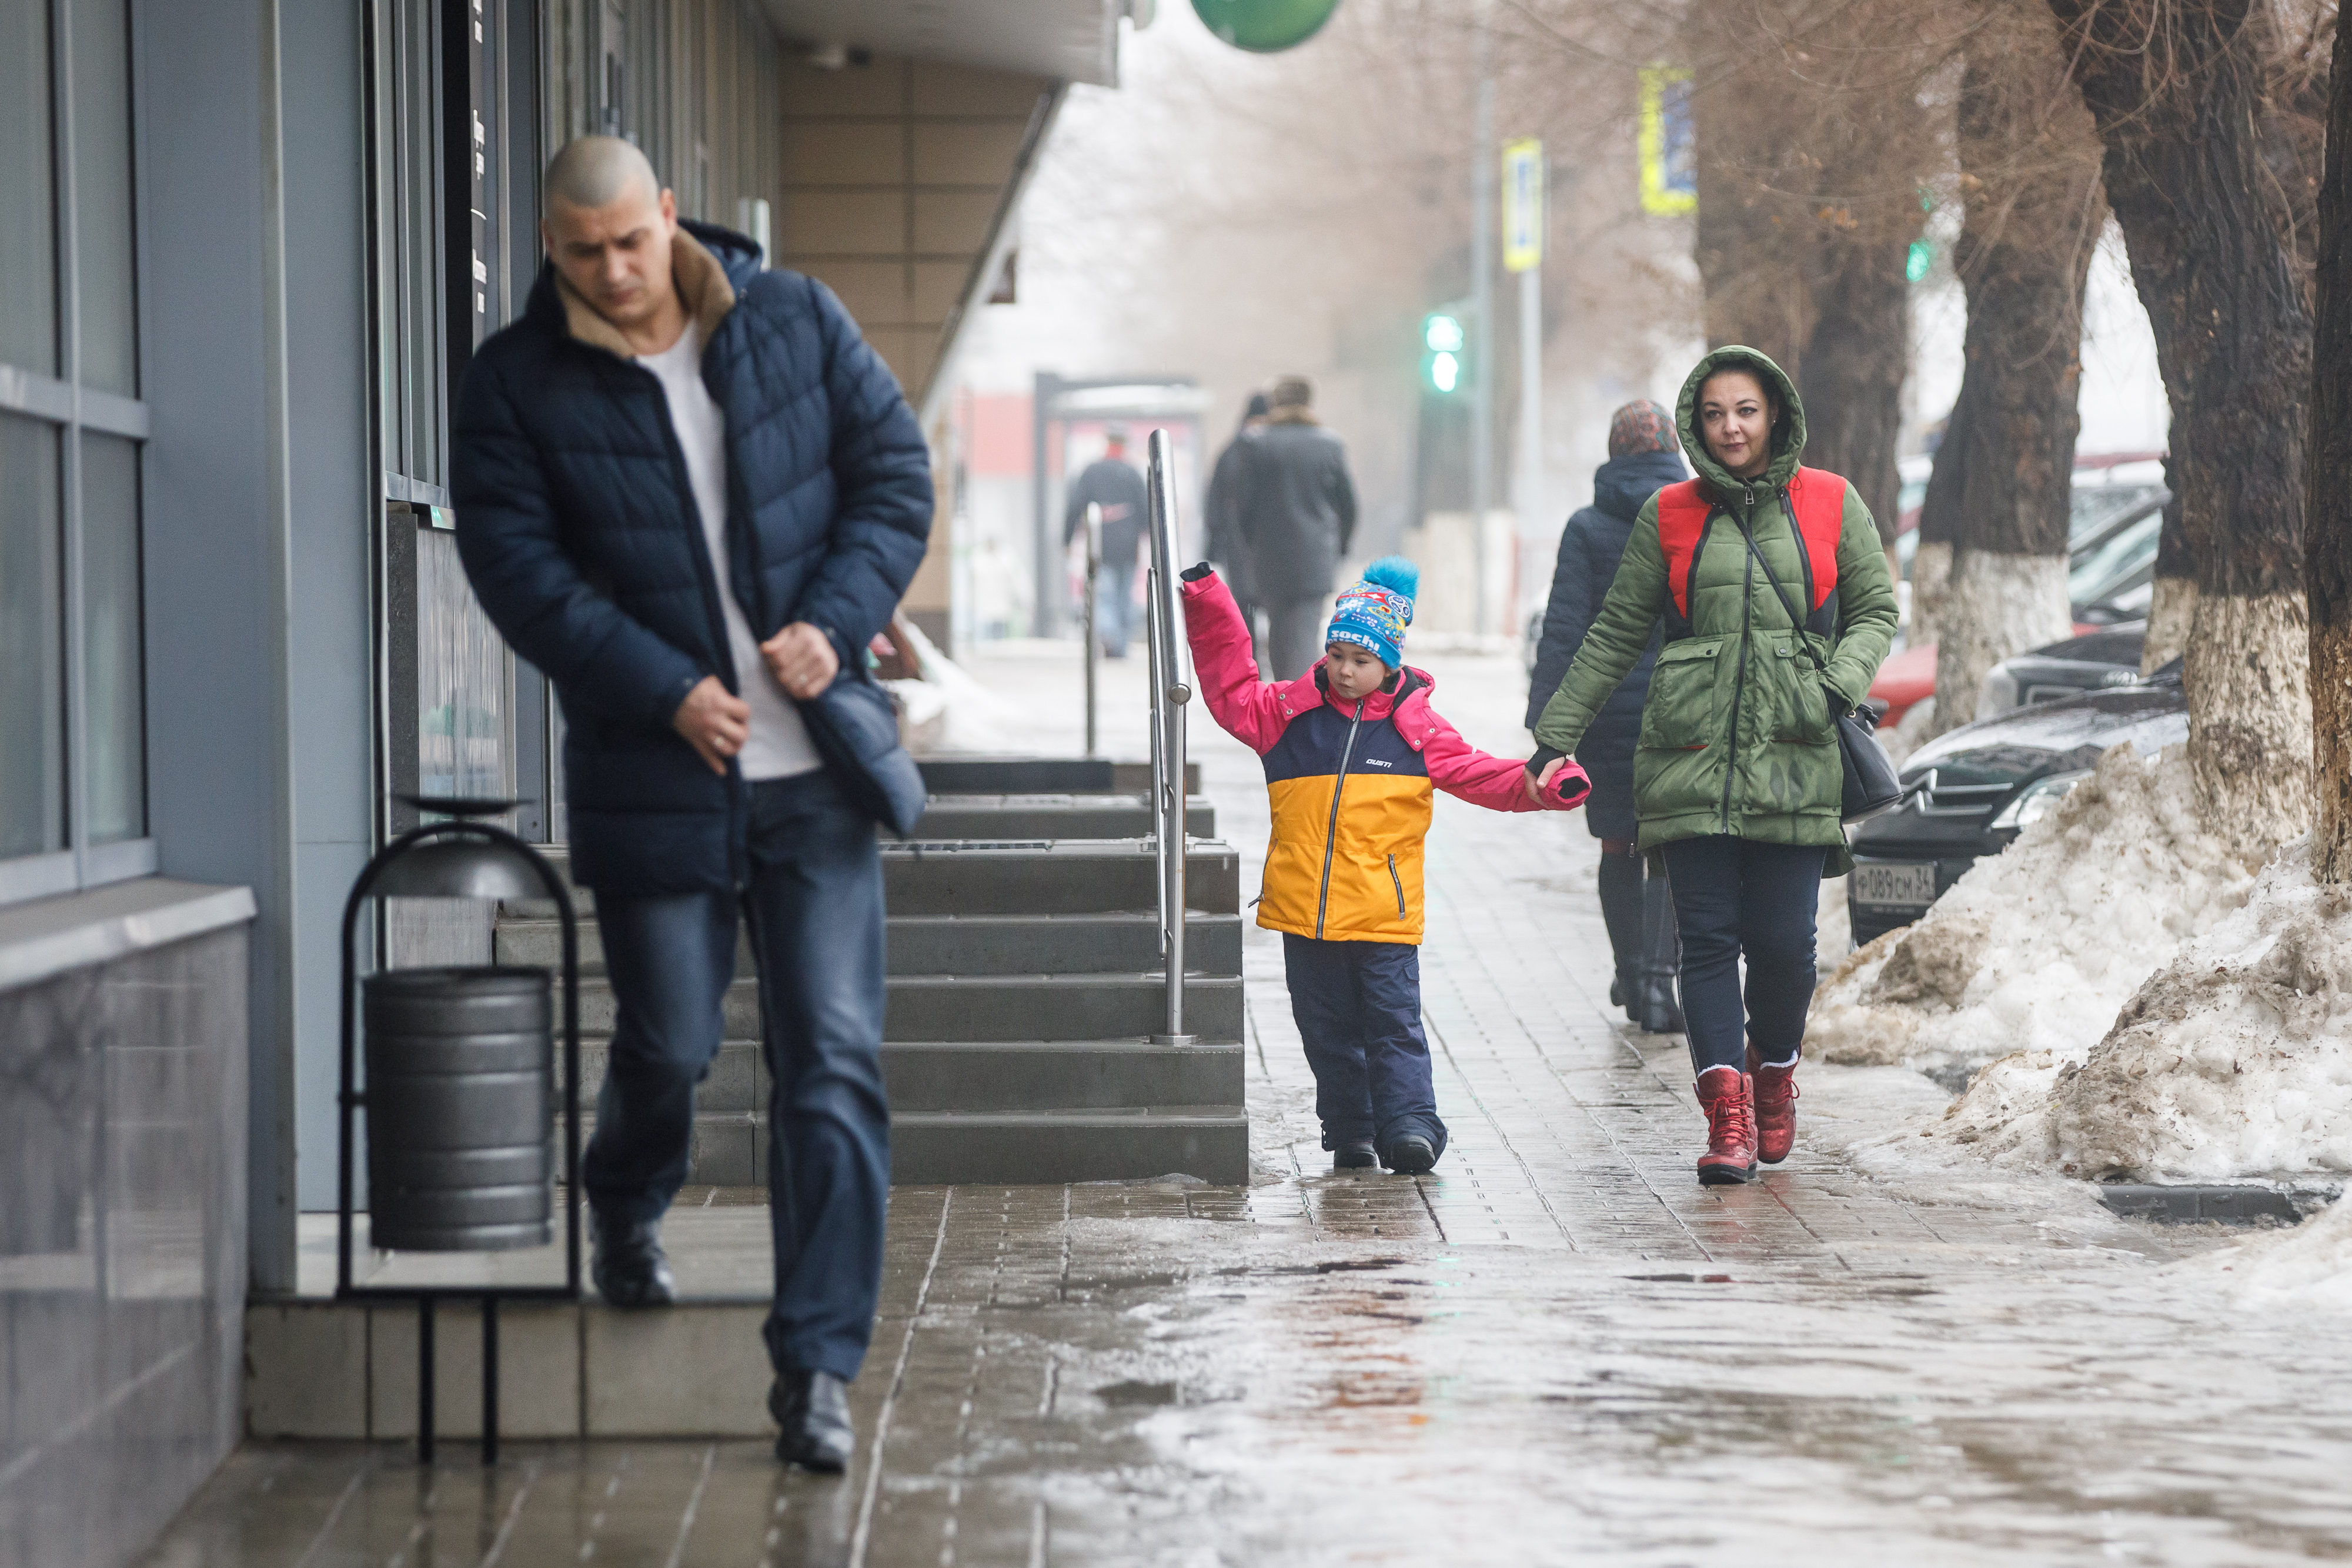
(246, 249)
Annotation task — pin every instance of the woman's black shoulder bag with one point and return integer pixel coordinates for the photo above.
(1870, 785)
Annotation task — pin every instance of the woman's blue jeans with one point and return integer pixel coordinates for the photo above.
(1733, 897)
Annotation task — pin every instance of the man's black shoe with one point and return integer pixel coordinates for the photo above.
(1354, 1157)
(812, 1409)
(1411, 1155)
(630, 1268)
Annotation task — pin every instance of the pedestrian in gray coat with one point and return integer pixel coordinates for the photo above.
(1294, 510)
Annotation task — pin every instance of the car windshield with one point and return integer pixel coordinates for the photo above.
(2098, 573)
(2095, 506)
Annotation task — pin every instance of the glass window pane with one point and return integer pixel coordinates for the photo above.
(104, 258)
(28, 251)
(113, 662)
(32, 643)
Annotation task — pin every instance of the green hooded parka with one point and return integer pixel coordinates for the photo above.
(1737, 734)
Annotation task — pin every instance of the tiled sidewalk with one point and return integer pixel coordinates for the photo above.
(1557, 1348)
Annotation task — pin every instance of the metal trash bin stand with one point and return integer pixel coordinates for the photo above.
(459, 1089)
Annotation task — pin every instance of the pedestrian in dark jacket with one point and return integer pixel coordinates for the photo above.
(1643, 458)
(1111, 483)
(689, 492)
(1221, 509)
(1296, 510)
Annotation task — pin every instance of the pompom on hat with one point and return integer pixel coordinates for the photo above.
(1375, 612)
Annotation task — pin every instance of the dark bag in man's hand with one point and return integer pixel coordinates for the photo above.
(1871, 785)
(854, 728)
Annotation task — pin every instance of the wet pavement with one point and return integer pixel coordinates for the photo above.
(1556, 1348)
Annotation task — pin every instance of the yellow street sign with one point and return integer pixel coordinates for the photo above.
(1668, 143)
(1523, 204)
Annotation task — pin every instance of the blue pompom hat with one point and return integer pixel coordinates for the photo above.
(1375, 612)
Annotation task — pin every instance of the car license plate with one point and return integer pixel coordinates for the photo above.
(1901, 886)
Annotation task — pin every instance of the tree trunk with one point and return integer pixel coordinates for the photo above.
(2329, 544)
(1807, 207)
(2029, 163)
(2177, 89)
(1939, 523)
(2172, 597)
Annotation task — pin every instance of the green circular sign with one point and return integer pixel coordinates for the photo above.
(1265, 26)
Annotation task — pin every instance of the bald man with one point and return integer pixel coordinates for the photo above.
(690, 493)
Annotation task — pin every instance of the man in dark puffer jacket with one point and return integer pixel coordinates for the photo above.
(1643, 458)
(689, 492)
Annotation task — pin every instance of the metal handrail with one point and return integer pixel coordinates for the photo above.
(1170, 690)
(1092, 630)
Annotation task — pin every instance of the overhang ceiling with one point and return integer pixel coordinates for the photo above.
(1075, 41)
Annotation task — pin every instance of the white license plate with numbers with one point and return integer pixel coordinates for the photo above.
(1899, 886)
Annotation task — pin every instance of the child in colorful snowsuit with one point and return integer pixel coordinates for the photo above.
(1353, 752)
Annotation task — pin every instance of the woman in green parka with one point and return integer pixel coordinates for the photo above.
(1778, 608)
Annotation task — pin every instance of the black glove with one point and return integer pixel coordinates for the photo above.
(1195, 573)
(1542, 758)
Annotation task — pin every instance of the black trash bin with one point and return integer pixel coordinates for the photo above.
(460, 1108)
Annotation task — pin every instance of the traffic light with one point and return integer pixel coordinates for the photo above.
(1441, 367)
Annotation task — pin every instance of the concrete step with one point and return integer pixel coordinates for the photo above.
(1054, 816)
(979, 1075)
(1109, 942)
(1016, 1147)
(1057, 1006)
(959, 944)
(979, 1006)
(1042, 775)
(1043, 878)
(1004, 876)
(1004, 1076)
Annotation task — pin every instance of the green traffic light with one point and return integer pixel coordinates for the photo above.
(1442, 333)
(1444, 372)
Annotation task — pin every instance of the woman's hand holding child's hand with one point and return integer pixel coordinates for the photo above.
(1539, 784)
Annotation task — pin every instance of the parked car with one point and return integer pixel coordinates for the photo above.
(1974, 789)
(2094, 662)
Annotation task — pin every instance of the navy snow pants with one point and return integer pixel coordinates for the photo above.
(1358, 1005)
(815, 910)
(1735, 896)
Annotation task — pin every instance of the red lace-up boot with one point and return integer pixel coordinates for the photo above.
(1776, 1108)
(1730, 1157)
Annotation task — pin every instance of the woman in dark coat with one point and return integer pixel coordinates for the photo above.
(1643, 458)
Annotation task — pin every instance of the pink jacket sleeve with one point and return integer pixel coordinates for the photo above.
(1497, 783)
(1244, 706)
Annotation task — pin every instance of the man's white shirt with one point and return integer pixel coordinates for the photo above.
(779, 744)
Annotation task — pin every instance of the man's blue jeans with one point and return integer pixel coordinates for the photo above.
(814, 905)
(1115, 606)
(1358, 1007)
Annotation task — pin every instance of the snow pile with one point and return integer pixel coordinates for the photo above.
(2036, 948)
(947, 709)
(2310, 1264)
(2233, 1059)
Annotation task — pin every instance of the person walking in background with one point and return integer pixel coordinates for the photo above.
(1111, 483)
(1779, 610)
(1221, 507)
(689, 492)
(1643, 458)
(1296, 515)
(1353, 751)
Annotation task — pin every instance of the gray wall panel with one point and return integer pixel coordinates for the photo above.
(332, 510)
(216, 600)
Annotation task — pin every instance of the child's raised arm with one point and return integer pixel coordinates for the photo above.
(1244, 706)
(1497, 783)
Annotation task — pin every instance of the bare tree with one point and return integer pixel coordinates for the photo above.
(2030, 180)
(1813, 142)
(2327, 545)
(2204, 184)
